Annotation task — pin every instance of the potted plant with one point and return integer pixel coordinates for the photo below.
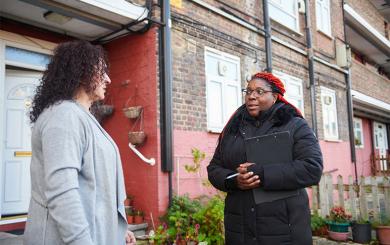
(192, 235)
(361, 231)
(383, 231)
(130, 215)
(132, 112)
(318, 225)
(338, 223)
(129, 200)
(138, 217)
(137, 136)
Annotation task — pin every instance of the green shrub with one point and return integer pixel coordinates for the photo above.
(192, 220)
(317, 222)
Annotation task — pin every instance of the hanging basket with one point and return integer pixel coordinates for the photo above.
(137, 137)
(132, 111)
(101, 110)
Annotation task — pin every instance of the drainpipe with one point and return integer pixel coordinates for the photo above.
(165, 65)
(310, 57)
(267, 36)
(350, 109)
(350, 122)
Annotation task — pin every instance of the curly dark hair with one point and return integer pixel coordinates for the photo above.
(74, 64)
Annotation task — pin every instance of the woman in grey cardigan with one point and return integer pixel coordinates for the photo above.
(77, 188)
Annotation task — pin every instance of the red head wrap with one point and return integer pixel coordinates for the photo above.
(277, 87)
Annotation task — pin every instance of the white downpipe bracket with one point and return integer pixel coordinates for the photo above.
(150, 161)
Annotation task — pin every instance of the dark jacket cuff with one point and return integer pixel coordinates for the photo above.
(257, 169)
(231, 184)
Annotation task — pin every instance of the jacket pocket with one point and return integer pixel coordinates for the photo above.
(233, 229)
(35, 232)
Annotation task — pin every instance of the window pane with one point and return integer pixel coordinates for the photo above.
(293, 89)
(26, 57)
(215, 103)
(285, 14)
(212, 65)
(231, 95)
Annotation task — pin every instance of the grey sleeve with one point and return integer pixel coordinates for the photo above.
(62, 146)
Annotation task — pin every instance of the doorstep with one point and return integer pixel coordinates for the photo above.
(323, 241)
(138, 229)
(10, 239)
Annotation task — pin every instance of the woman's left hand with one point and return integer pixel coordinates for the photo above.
(130, 238)
(243, 168)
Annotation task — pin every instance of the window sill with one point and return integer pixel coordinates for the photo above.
(333, 140)
(214, 131)
(325, 34)
(295, 33)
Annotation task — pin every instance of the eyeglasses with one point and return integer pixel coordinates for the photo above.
(258, 92)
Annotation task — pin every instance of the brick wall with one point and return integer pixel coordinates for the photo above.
(366, 80)
(369, 13)
(195, 28)
(191, 33)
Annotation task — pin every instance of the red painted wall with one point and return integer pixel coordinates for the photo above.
(32, 31)
(134, 59)
(363, 154)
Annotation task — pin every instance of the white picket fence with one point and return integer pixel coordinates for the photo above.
(369, 199)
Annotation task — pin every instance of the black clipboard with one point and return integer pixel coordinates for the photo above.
(270, 149)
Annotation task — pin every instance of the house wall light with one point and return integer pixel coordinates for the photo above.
(56, 17)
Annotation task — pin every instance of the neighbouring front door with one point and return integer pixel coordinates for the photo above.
(15, 181)
(380, 142)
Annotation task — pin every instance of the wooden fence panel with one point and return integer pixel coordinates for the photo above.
(314, 198)
(363, 198)
(352, 197)
(340, 189)
(375, 200)
(386, 192)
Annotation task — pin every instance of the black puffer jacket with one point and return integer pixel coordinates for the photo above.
(285, 221)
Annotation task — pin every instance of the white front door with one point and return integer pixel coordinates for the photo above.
(380, 142)
(15, 181)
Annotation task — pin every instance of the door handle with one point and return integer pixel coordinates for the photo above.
(22, 154)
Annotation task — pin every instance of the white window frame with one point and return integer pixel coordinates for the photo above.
(272, 4)
(321, 6)
(358, 121)
(287, 80)
(329, 109)
(217, 128)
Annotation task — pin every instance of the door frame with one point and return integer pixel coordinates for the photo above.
(3, 62)
(386, 141)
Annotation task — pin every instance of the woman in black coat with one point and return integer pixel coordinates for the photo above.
(282, 221)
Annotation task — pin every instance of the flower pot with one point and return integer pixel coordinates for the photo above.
(138, 219)
(137, 137)
(132, 112)
(322, 231)
(383, 234)
(127, 202)
(361, 233)
(338, 236)
(130, 219)
(338, 227)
